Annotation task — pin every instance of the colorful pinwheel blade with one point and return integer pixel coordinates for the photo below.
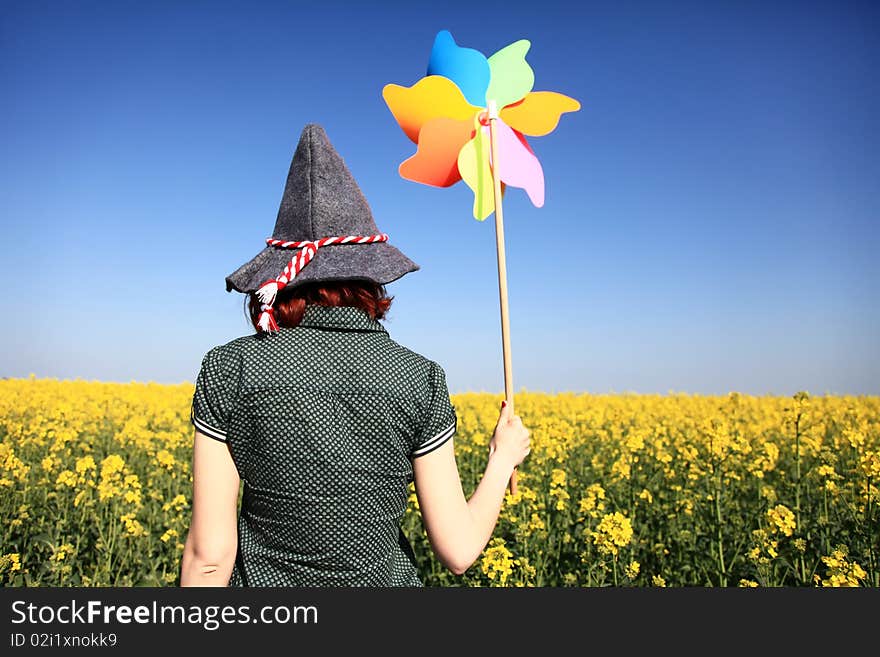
(473, 165)
(439, 113)
(538, 113)
(427, 99)
(517, 164)
(436, 160)
(466, 67)
(511, 76)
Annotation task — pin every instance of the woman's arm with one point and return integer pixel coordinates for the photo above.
(212, 541)
(458, 529)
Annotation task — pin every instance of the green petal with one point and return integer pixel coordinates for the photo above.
(511, 76)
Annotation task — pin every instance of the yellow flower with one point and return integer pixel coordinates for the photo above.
(13, 465)
(592, 502)
(85, 464)
(66, 478)
(870, 464)
(764, 549)
(781, 519)
(635, 440)
(62, 552)
(768, 493)
(168, 535)
(133, 527)
(561, 496)
(856, 439)
(497, 562)
(657, 580)
(632, 569)
(621, 468)
(132, 486)
(747, 583)
(178, 504)
(535, 523)
(557, 477)
(108, 489)
(558, 490)
(765, 460)
(826, 472)
(10, 562)
(841, 571)
(80, 497)
(613, 532)
(111, 465)
(166, 459)
(76, 455)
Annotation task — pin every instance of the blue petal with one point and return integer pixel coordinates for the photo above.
(466, 67)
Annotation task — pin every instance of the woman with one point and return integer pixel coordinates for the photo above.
(325, 417)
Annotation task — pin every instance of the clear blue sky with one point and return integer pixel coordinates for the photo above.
(712, 212)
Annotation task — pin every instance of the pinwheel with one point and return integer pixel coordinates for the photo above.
(469, 117)
(447, 113)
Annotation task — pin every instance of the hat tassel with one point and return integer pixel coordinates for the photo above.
(266, 322)
(267, 292)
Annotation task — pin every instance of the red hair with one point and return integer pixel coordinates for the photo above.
(290, 304)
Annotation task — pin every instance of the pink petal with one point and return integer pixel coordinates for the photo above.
(517, 164)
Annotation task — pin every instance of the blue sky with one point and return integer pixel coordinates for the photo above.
(711, 221)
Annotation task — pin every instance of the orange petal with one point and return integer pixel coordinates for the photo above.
(431, 97)
(436, 160)
(538, 113)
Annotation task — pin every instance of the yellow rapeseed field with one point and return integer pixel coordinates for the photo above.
(627, 489)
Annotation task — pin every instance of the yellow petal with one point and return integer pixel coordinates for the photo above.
(538, 113)
(473, 165)
(431, 97)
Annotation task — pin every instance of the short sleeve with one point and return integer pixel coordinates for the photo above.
(214, 394)
(440, 418)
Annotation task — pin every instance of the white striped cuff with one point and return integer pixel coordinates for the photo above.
(207, 429)
(433, 443)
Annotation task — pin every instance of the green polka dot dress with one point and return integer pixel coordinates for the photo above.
(323, 421)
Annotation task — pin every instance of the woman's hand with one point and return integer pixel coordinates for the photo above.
(510, 441)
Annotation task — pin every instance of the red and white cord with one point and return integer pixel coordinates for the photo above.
(270, 289)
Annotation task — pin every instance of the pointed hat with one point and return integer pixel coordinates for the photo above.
(322, 200)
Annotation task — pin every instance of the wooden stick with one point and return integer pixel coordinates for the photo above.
(502, 270)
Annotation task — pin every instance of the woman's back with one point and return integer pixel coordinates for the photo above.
(324, 417)
(322, 421)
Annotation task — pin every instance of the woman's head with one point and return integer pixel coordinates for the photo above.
(290, 304)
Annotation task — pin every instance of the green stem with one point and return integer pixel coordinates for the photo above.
(825, 541)
(719, 526)
(797, 486)
(868, 524)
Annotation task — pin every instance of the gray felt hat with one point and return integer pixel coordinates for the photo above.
(322, 199)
